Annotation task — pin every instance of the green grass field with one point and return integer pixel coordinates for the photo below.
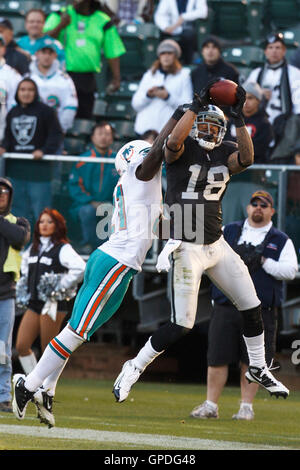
(155, 416)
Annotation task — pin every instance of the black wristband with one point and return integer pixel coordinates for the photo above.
(178, 113)
(239, 121)
(241, 163)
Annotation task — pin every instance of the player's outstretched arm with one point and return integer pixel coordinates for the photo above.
(239, 161)
(152, 163)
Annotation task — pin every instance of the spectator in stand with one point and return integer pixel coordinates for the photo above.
(13, 55)
(129, 11)
(31, 127)
(55, 87)
(162, 88)
(280, 82)
(9, 79)
(34, 24)
(50, 251)
(85, 31)
(235, 201)
(213, 65)
(271, 259)
(14, 234)
(175, 19)
(91, 184)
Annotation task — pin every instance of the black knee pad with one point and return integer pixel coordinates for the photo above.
(167, 335)
(252, 322)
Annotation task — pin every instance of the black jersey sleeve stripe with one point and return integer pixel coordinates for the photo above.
(108, 25)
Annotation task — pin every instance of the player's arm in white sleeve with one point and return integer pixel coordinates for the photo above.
(75, 265)
(69, 104)
(152, 163)
(286, 267)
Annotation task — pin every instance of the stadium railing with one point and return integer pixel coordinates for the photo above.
(153, 304)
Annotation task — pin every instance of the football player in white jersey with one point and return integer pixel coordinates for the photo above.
(109, 270)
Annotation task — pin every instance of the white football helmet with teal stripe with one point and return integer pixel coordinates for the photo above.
(129, 153)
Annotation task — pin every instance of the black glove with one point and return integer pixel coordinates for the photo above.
(203, 98)
(180, 110)
(236, 111)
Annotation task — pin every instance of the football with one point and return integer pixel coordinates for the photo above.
(223, 92)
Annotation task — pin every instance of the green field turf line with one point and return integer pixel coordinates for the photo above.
(157, 441)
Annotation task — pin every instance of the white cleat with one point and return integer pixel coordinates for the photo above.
(244, 413)
(263, 377)
(125, 380)
(43, 402)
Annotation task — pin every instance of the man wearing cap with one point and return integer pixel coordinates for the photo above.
(176, 19)
(56, 88)
(271, 259)
(13, 55)
(9, 80)
(14, 234)
(163, 87)
(261, 132)
(213, 65)
(280, 82)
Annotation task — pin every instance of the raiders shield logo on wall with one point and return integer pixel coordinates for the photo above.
(23, 128)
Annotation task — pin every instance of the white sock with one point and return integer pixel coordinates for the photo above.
(212, 404)
(246, 405)
(145, 356)
(28, 362)
(256, 350)
(54, 357)
(50, 382)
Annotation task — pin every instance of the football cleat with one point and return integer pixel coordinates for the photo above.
(125, 380)
(204, 411)
(22, 396)
(245, 413)
(43, 402)
(263, 377)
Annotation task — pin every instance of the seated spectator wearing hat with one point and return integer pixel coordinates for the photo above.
(213, 65)
(256, 120)
(176, 19)
(280, 83)
(13, 55)
(34, 24)
(55, 87)
(163, 87)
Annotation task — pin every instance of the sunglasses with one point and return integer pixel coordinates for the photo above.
(4, 191)
(261, 204)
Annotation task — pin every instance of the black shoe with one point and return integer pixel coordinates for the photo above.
(22, 396)
(43, 402)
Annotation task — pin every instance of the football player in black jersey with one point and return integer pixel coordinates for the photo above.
(199, 165)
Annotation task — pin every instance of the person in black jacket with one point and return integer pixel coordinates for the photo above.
(213, 65)
(14, 234)
(13, 55)
(31, 127)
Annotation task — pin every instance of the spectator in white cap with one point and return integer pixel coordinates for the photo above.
(176, 19)
(163, 87)
(259, 127)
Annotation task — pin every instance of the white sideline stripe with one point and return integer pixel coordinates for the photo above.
(156, 441)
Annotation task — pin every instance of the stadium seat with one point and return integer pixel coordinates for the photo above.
(141, 41)
(74, 146)
(244, 56)
(20, 8)
(204, 27)
(120, 110)
(99, 109)
(81, 128)
(18, 23)
(124, 130)
(237, 19)
(283, 13)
